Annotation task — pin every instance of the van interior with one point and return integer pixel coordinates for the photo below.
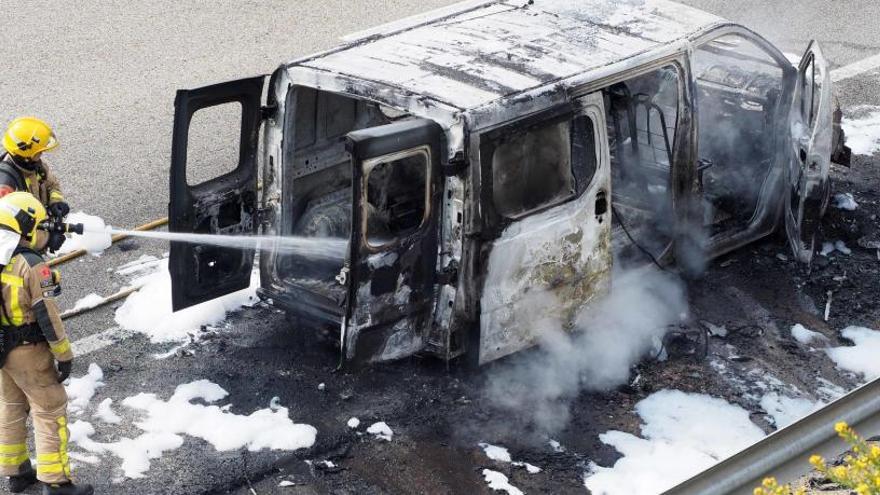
(738, 91)
(642, 118)
(318, 186)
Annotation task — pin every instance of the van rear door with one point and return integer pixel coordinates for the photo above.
(226, 204)
(394, 237)
(811, 121)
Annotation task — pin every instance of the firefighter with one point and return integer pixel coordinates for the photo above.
(22, 169)
(35, 356)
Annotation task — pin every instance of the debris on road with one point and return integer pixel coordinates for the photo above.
(845, 201)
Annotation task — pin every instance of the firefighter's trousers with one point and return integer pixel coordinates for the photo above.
(28, 382)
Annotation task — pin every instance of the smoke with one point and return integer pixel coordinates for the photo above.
(608, 339)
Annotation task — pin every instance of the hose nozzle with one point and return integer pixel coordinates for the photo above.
(60, 227)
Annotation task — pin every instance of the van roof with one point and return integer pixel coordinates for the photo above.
(483, 51)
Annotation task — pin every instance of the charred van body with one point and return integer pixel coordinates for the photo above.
(497, 158)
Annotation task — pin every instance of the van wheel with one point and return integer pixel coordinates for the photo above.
(305, 334)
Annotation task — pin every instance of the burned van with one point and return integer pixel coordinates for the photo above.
(493, 160)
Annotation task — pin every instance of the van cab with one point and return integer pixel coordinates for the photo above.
(494, 160)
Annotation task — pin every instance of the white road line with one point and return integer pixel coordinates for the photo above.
(855, 68)
(98, 341)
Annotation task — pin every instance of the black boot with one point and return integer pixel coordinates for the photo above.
(67, 489)
(26, 477)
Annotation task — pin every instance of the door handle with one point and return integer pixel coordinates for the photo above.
(601, 206)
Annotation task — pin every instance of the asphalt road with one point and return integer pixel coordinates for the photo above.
(104, 74)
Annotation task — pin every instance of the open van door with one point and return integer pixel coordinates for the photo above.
(811, 141)
(223, 205)
(396, 184)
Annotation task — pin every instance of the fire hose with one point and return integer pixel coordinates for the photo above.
(76, 254)
(118, 237)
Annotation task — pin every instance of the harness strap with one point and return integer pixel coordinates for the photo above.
(14, 336)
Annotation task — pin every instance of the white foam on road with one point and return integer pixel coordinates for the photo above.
(830, 247)
(106, 414)
(785, 410)
(683, 434)
(845, 201)
(381, 430)
(90, 301)
(861, 358)
(499, 483)
(530, 468)
(149, 311)
(498, 453)
(804, 335)
(862, 129)
(495, 452)
(165, 423)
(80, 390)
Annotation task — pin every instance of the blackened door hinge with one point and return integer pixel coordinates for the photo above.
(265, 216)
(267, 112)
(449, 275)
(457, 164)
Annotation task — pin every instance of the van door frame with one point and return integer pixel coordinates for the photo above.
(682, 181)
(768, 213)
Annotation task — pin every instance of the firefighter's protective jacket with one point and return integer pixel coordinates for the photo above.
(40, 182)
(29, 288)
(28, 379)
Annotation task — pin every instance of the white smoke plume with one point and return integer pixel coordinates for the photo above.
(609, 338)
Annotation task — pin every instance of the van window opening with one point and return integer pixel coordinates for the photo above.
(396, 198)
(738, 90)
(531, 170)
(642, 119)
(540, 166)
(213, 142)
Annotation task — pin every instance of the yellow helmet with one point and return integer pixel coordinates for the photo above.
(27, 137)
(21, 212)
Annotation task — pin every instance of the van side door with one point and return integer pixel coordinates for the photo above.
(396, 172)
(221, 205)
(545, 191)
(811, 121)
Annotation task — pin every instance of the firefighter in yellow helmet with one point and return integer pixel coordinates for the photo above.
(35, 356)
(22, 169)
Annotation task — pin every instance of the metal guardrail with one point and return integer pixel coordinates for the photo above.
(784, 454)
